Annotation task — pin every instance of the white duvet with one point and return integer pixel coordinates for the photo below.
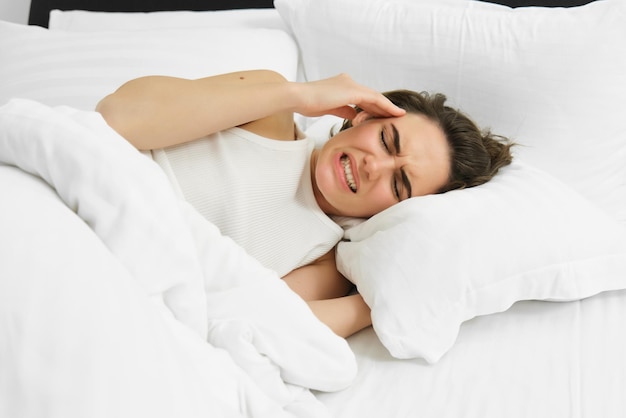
(118, 300)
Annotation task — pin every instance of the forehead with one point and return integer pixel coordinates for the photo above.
(425, 150)
(418, 127)
(417, 133)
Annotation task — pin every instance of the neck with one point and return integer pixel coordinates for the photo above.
(319, 197)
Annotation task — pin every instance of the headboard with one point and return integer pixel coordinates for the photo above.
(545, 3)
(40, 9)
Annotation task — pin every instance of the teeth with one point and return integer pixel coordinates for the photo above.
(345, 161)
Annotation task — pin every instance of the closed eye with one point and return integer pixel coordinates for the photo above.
(383, 141)
(396, 191)
(395, 179)
(405, 179)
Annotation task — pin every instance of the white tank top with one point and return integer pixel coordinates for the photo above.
(257, 191)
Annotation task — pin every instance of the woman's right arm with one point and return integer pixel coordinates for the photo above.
(326, 292)
(160, 111)
(344, 315)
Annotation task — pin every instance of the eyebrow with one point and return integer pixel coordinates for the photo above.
(396, 144)
(407, 183)
(396, 138)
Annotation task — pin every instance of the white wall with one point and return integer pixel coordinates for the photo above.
(15, 10)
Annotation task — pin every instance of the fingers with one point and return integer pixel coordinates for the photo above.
(337, 96)
(382, 108)
(345, 112)
(372, 101)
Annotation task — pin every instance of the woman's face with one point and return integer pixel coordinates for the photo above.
(379, 162)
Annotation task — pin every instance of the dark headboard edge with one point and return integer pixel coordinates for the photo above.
(40, 9)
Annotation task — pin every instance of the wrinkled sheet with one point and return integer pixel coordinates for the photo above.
(117, 299)
(536, 360)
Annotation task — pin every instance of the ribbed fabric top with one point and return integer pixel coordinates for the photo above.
(257, 191)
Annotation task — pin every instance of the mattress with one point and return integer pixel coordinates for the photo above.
(537, 359)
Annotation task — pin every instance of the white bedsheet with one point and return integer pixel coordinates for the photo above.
(110, 287)
(536, 360)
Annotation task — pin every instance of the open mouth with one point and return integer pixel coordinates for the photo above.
(347, 169)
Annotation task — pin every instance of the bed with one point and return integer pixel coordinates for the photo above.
(506, 300)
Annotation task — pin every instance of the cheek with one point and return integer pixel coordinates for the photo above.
(378, 199)
(324, 171)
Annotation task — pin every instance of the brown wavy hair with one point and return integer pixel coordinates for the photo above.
(475, 155)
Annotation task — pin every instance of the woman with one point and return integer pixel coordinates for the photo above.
(277, 202)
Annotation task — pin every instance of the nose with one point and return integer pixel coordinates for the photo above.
(376, 166)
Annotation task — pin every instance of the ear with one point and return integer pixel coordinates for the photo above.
(361, 117)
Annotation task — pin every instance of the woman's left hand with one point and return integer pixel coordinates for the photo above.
(335, 96)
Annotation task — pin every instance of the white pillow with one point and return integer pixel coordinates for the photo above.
(78, 69)
(553, 79)
(428, 264)
(88, 21)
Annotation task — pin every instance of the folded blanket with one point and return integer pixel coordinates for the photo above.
(201, 283)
